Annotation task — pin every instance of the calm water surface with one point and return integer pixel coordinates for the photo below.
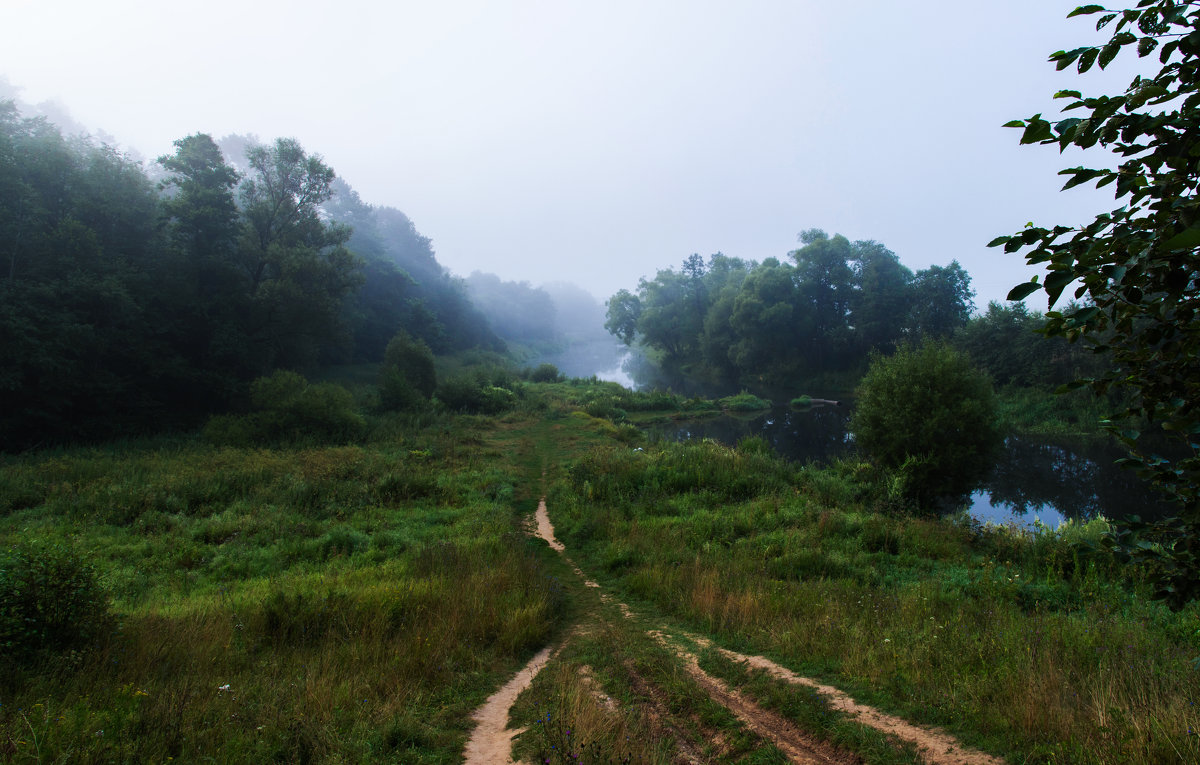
(1045, 479)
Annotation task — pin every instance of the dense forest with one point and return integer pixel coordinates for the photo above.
(135, 298)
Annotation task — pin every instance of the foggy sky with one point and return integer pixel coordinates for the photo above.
(597, 142)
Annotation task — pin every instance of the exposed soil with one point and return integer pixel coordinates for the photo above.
(545, 529)
(491, 741)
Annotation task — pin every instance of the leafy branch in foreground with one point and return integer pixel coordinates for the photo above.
(1137, 267)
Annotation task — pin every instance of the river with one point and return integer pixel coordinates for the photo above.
(1048, 479)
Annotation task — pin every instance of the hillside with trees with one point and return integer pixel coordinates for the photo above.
(127, 305)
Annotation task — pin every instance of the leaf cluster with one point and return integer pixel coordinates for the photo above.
(1136, 268)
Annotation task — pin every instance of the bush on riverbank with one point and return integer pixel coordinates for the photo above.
(929, 416)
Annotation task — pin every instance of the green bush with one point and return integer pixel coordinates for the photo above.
(544, 373)
(745, 402)
(475, 395)
(50, 599)
(930, 417)
(648, 401)
(408, 379)
(289, 410)
(606, 407)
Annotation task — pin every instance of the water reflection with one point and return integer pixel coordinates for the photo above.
(1058, 479)
(1048, 479)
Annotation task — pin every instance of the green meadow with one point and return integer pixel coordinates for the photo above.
(355, 603)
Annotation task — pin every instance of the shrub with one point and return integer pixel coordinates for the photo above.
(745, 402)
(606, 407)
(475, 395)
(928, 415)
(544, 373)
(50, 599)
(800, 402)
(290, 410)
(408, 379)
(648, 401)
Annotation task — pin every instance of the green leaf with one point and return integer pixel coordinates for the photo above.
(1084, 10)
(1146, 46)
(1167, 50)
(1068, 94)
(1087, 58)
(1143, 94)
(1107, 54)
(1079, 175)
(998, 241)
(1022, 291)
(1065, 57)
(1014, 123)
(1056, 282)
(1081, 317)
(1062, 126)
(1184, 240)
(1036, 130)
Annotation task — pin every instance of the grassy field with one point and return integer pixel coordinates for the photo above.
(1022, 643)
(355, 603)
(344, 604)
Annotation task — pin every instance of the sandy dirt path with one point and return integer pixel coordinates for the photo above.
(545, 530)
(491, 741)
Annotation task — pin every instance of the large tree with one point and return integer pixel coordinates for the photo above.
(1137, 267)
(298, 265)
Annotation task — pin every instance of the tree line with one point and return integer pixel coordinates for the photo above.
(127, 304)
(730, 322)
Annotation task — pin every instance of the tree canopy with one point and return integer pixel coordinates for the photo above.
(128, 306)
(733, 323)
(1136, 267)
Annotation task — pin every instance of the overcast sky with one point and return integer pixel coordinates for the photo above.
(597, 142)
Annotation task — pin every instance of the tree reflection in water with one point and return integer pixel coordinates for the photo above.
(1047, 478)
(1058, 479)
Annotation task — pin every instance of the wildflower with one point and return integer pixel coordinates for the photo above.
(224, 687)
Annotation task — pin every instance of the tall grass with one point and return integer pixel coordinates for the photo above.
(1025, 643)
(316, 605)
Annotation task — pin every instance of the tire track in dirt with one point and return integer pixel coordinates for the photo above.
(798, 746)
(545, 530)
(936, 746)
